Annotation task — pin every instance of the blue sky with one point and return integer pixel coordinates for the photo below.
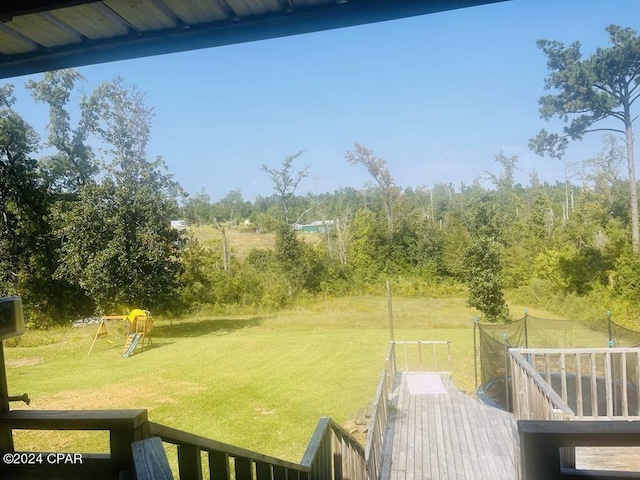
(436, 96)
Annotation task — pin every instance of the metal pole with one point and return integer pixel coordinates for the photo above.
(526, 333)
(611, 342)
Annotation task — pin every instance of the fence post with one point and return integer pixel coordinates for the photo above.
(526, 333)
(390, 306)
(506, 369)
(475, 351)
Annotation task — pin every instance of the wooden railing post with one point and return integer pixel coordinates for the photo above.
(280, 473)
(120, 441)
(263, 471)
(219, 466)
(189, 462)
(243, 469)
(6, 437)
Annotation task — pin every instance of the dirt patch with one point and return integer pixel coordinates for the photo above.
(23, 362)
(135, 393)
(138, 393)
(263, 411)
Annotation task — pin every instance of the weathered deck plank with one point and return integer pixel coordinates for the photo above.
(446, 436)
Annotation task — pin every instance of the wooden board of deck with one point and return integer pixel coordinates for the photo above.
(446, 436)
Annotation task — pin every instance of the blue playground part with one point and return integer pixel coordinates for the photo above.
(135, 338)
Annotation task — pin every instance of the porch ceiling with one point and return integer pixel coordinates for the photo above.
(41, 35)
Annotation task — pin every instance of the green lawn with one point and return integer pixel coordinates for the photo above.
(259, 382)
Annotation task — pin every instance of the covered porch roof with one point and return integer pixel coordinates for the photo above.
(42, 35)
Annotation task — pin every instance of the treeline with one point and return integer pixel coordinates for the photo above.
(564, 246)
(86, 229)
(83, 232)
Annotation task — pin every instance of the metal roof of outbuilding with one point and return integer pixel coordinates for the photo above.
(41, 35)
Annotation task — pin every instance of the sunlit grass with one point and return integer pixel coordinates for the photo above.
(242, 240)
(260, 382)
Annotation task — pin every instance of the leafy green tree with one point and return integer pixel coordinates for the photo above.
(590, 91)
(232, 207)
(368, 249)
(299, 262)
(484, 279)
(483, 273)
(116, 238)
(73, 164)
(197, 209)
(21, 195)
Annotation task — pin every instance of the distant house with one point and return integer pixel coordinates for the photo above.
(179, 224)
(320, 226)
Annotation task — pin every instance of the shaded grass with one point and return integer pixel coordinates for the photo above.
(259, 382)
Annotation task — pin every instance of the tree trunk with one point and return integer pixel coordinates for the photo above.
(633, 189)
(341, 232)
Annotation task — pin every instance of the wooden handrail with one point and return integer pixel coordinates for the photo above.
(182, 438)
(420, 344)
(333, 453)
(124, 427)
(534, 399)
(73, 419)
(379, 417)
(600, 377)
(557, 351)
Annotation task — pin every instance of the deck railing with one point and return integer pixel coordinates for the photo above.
(571, 384)
(427, 355)
(224, 461)
(124, 427)
(332, 452)
(594, 383)
(379, 416)
(533, 397)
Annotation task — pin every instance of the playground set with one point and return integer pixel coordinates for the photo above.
(137, 324)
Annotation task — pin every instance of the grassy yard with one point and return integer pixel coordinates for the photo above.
(259, 382)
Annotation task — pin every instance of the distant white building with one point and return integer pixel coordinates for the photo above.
(179, 224)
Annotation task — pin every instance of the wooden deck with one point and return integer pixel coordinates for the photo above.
(446, 436)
